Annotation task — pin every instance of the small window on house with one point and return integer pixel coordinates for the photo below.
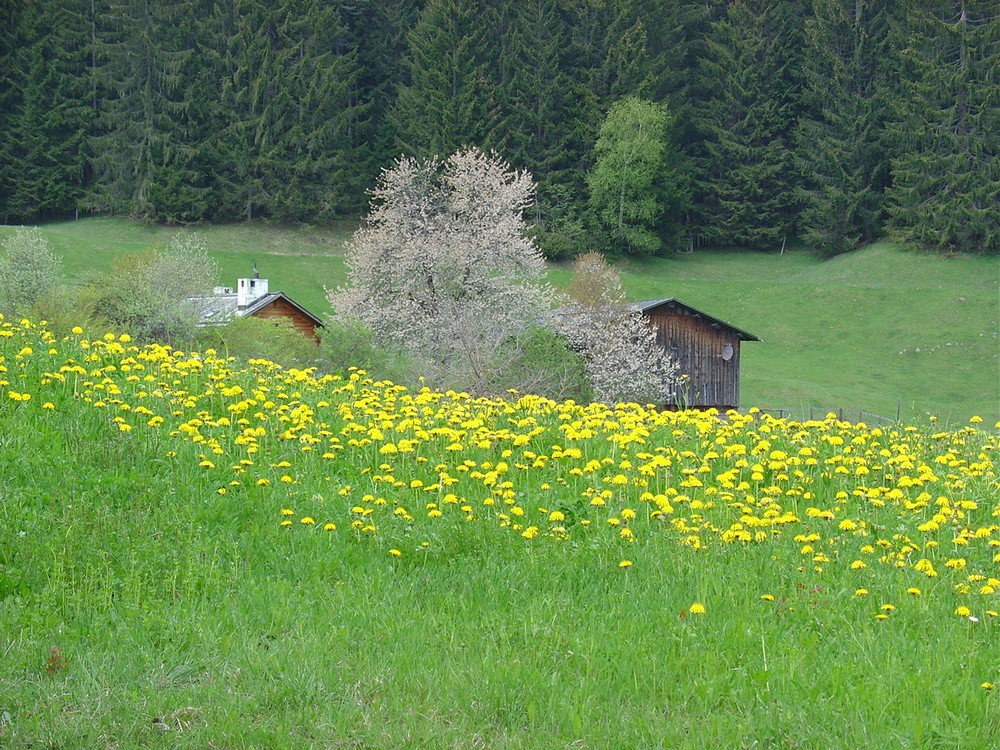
(727, 352)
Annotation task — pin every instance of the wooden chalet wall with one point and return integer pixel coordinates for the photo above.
(697, 345)
(281, 308)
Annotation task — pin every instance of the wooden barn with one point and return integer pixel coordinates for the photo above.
(253, 299)
(706, 349)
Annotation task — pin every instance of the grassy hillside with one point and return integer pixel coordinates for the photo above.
(298, 260)
(879, 330)
(196, 555)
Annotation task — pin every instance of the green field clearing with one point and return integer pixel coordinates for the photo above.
(200, 555)
(879, 330)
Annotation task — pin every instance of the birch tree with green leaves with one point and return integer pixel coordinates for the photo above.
(635, 194)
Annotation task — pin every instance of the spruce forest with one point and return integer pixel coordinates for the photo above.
(648, 125)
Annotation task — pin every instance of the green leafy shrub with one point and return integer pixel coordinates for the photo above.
(148, 294)
(28, 270)
(259, 338)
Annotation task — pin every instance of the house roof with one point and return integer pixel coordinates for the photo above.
(267, 299)
(216, 309)
(649, 306)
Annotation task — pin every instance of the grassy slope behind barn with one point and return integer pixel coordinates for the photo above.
(877, 330)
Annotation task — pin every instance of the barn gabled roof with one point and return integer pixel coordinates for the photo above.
(217, 309)
(649, 306)
(265, 300)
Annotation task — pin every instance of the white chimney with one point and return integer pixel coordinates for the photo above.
(249, 290)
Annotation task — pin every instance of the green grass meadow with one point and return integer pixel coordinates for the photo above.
(881, 330)
(195, 553)
(152, 596)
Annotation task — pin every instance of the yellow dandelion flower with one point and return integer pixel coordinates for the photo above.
(861, 592)
(286, 522)
(767, 597)
(287, 512)
(395, 553)
(986, 685)
(307, 520)
(329, 527)
(697, 609)
(625, 564)
(962, 611)
(913, 591)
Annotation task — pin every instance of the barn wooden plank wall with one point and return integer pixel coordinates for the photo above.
(697, 346)
(281, 308)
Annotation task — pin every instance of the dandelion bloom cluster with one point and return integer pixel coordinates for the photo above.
(883, 518)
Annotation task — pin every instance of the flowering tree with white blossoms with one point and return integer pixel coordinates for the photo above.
(623, 360)
(444, 268)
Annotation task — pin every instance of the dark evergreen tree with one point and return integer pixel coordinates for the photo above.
(545, 118)
(378, 33)
(186, 187)
(946, 170)
(623, 66)
(46, 111)
(10, 35)
(287, 97)
(744, 178)
(442, 103)
(840, 147)
(675, 38)
(140, 54)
